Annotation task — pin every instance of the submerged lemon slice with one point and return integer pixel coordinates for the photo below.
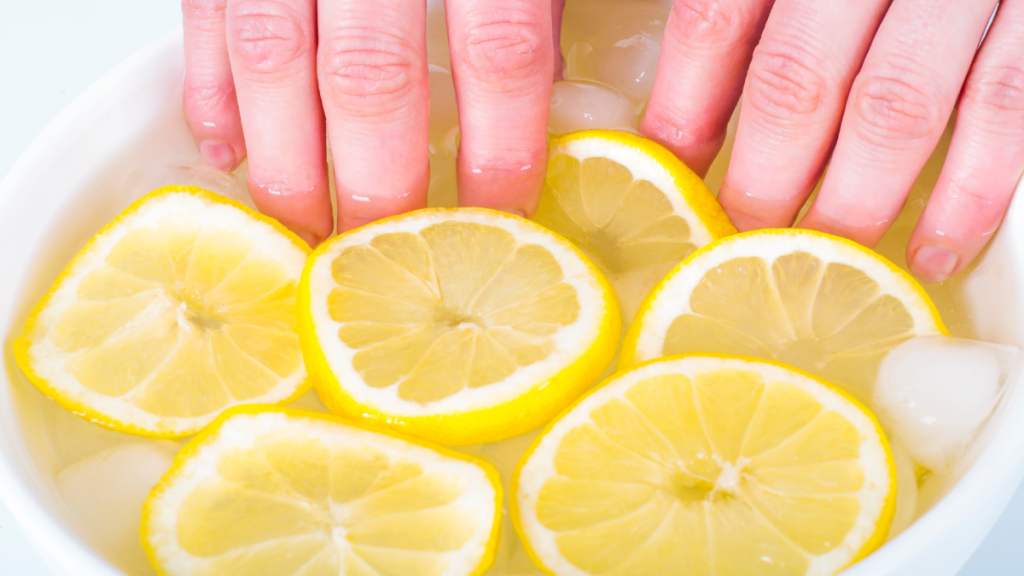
(706, 465)
(182, 306)
(275, 491)
(628, 204)
(461, 326)
(821, 303)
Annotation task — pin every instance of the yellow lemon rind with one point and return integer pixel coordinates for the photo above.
(693, 189)
(629, 342)
(209, 433)
(491, 424)
(31, 327)
(872, 544)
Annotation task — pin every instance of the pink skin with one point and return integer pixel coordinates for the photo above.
(272, 44)
(283, 68)
(986, 156)
(793, 103)
(898, 106)
(704, 56)
(502, 55)
(373, 78)
(870, 88)
(211, 107)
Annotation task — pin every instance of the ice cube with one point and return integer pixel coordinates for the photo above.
(934, 393)
(578, 105)
(616, 44)
(105, 492)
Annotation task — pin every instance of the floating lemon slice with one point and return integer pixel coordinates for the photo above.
(181, 307)
(821, 303)
(628, 204)
(706, 465)
(268, 490)
(461, 326)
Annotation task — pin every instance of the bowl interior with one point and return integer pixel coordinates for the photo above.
(127, 136)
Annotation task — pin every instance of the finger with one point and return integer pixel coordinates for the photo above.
(501, 64)
(793, 100)
(211, 109)
(272, 44)
(373, 78)
(704, 55)
(896, 112)
(985, 160)
(557, 8)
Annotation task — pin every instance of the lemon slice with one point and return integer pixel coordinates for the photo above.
(628, 204)
(276, 491)
(706, 465)
(461, 326)
(821, 303)
(181, 307)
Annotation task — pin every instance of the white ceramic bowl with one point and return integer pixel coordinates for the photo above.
(113, 144)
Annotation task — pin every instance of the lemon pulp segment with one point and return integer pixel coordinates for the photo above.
(445, 311)
(281, 493)
(810, 300)
(629, 205)
(183, 306)
(434, 321)
(707, 466)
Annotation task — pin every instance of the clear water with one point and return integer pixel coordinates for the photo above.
(611, 49)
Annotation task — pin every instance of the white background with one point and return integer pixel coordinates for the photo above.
(51, 50)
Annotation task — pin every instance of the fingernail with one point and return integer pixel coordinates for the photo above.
(934, 263)
(217, 154)
(513, 211)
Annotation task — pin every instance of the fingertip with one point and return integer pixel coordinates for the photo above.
(750, 213)
(220, 155)
(934, 263)
(515, 190)
(697, 150)
(309, 237)
(513, 211)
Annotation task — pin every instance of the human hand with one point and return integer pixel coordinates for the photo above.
(867, 87)
(264, 78)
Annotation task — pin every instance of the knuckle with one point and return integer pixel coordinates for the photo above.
(208, 96)
(890, 110)
(203, 9)
(706, 21)
(504, 50)
(269, 35)
(998, 91)
(367, 73)
(783, 82)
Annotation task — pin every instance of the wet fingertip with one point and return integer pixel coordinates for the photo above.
(309, 237)
(512, 211)
(932, 263)
(217, 154)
